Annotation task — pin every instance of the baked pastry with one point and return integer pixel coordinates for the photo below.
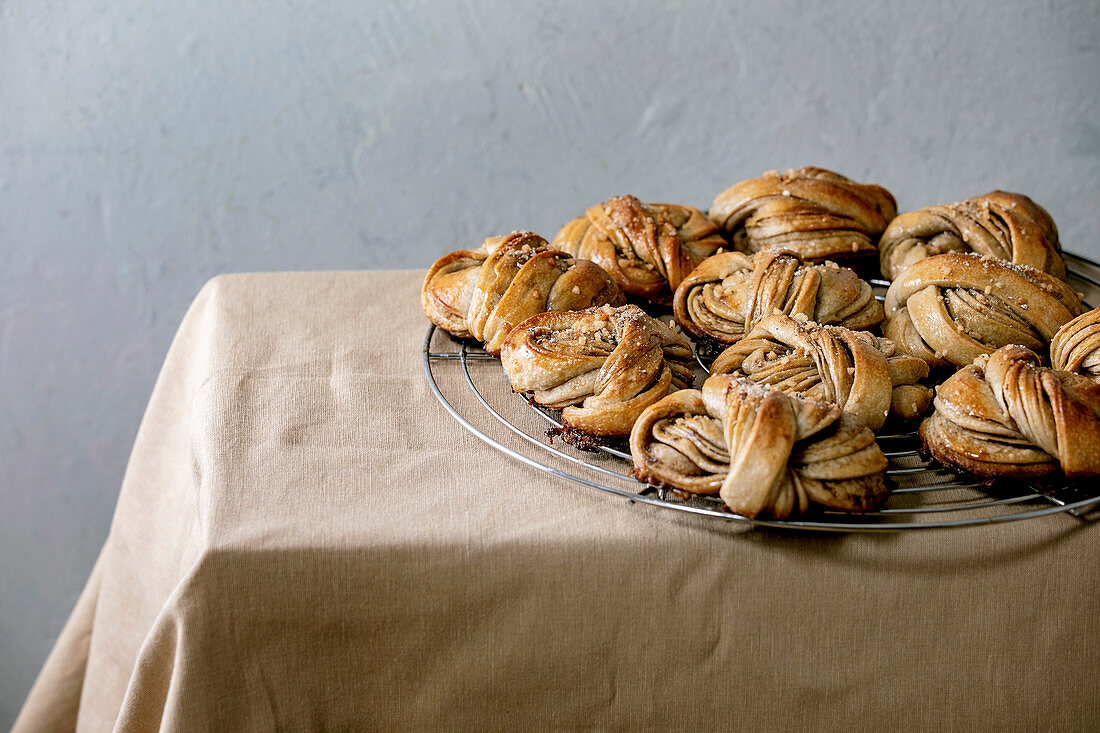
(1076, 346)
(856, 370)
(647, 248)
(729, 293)
(950, 308)
(814, 212)
(484, 293)
(600, 366)
(1005, 415)
(1008, 226)
(765, 453)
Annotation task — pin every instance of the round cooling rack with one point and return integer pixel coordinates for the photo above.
(472, 387)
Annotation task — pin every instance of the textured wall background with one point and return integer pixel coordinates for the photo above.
(145, 147)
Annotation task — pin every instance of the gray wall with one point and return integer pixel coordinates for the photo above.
(145, 147)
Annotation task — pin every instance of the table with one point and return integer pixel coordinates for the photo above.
(304, 539)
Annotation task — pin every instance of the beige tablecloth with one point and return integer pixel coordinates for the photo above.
(305, 540)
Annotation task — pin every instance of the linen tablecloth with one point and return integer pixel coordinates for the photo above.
(305, 540)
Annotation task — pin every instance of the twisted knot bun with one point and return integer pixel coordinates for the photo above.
(1006, 226)
(814, 212)
(484, 293)
(601, 366)
(951, 308)
(647, 248)
(1005, 415)
(765, 453)
(1076, 346)
(729, 293)
(853, 369)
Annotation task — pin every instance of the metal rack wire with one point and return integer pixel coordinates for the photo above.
(926, 495)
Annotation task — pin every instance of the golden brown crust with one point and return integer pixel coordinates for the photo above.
(854, 369)
(729, 293)
(1006, 226)
(951, 308)
(1005, 415)
(814, 212)
(484, 293)
(1076, 346)
(766, 453)
(601, 366)
(647, 248)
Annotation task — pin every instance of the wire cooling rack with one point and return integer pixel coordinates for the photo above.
(472, 387)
